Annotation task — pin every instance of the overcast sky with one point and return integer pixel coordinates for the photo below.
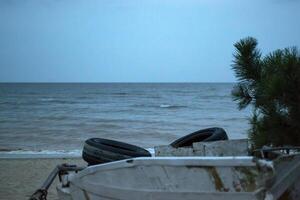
(136, 40)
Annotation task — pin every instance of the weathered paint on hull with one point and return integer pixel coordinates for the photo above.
(172, 178)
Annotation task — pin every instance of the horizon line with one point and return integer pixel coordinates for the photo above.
(55, 82)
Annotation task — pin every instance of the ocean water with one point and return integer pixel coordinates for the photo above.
(45, 118)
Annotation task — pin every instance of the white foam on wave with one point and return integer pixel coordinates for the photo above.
(16, 154)
(47, 99)
(41, 154)
(171, 106)
(165, 106)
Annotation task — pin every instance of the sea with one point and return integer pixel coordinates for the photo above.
(54, 119)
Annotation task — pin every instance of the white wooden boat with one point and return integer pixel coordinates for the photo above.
(169, 178)
(189, 178)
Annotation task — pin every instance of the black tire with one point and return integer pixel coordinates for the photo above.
(205, 135)
(99, 150)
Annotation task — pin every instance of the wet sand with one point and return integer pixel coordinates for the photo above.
(19, 178)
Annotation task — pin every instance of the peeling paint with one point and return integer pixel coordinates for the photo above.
(219, 185)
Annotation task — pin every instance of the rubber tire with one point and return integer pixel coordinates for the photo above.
(99, 150)
(205, 135)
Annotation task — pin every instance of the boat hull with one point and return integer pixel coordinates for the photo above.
(188, 178)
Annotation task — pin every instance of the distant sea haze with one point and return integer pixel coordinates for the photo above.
(47, 117)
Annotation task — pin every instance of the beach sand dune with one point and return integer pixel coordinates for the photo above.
(19, 178)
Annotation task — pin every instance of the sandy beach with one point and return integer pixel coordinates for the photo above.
(21, 177)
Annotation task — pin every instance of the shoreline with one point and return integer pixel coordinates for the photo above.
(21, 177)
(36, 156)
(44, 154)
(28, 154)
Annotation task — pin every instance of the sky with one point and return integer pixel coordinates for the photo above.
(137, 40)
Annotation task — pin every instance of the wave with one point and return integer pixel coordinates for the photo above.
(41, 154)
(213, 96)
(46, 154)
(171, 106)
(47, 99)
(119, 93)
(10, 149)
(56, 100)
(160, 106)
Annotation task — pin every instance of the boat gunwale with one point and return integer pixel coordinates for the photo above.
(192, 161)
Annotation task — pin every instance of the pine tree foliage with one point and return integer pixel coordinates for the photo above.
(271, 85)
